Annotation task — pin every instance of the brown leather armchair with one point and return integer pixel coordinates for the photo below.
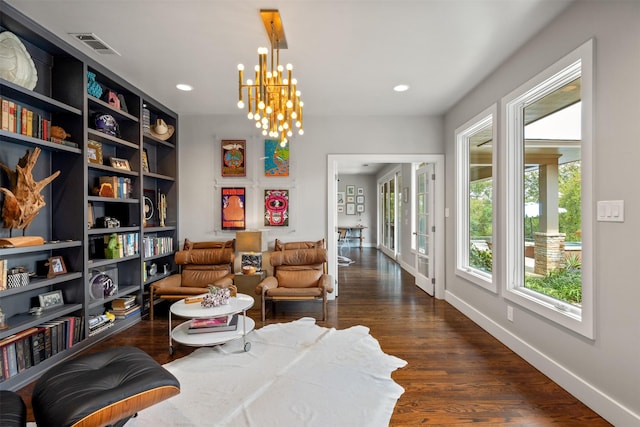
(201, 264)
(299, 274)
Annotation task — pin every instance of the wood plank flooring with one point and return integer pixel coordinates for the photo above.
(457, 374)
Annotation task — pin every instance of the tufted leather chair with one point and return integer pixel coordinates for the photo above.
(201, 264)
(299, 274)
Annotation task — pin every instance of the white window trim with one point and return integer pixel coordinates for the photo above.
(578, 319)
(462, 135)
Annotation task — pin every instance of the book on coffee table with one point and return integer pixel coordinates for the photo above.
(216, 324)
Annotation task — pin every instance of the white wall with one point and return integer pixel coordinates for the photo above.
(605, 372)
(200, 167)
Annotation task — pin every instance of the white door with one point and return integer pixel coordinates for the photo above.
(424, 226)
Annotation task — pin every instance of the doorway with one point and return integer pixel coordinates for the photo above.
(407, 259)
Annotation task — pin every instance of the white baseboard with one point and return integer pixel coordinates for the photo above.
(604, 405)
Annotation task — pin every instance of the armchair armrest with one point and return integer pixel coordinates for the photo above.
(172, 281)
(269, 282)
(327, 283)
(224, 282)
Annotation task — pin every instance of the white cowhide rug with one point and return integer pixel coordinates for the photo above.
(296, 374)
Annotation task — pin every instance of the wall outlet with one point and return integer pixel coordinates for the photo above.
(510, 313)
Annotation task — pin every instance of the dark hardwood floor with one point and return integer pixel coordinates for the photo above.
(457, 374)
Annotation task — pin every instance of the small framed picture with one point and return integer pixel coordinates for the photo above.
(351, 209)
(360, 199)
(94, 152)
(351, 190)
(340, 198)
(51, 300)
(119, 163)
(145, 161)
(360, 208)
(351, 199)
(56, 266)
(341, 209)
(360, 191)
(234, 157)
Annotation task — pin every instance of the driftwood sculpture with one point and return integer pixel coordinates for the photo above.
(23, 201)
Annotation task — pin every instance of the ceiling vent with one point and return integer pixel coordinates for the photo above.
(95, 43)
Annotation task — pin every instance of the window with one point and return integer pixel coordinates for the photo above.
(548, 236)
(475, 145)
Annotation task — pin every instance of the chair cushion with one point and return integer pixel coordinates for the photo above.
(294, 292)
(205, 256)
(13, 411)
(298, 257)
(280, 245)
(188, 244)
(192, 276)
(298, 278)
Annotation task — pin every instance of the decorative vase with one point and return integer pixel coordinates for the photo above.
(93, 87)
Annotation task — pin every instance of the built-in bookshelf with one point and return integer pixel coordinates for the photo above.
(96, 219)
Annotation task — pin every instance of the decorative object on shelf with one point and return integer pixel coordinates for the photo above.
(150, 214)
(233, 158)
(216, 297)
(23, 201)
(59, 133)
(17, 277)
(249, 244)
(276, 208)
(21, 241)
(276, 158)
(93, 87)
(162, 209)
(56, 266)
(94, 152)
(153, 269)
(105, 190)
(107, 124)
(51, 299)
(112, 251)
(107, 222)
(103, 284)
(123, 103)
(16, 64)
(273, 100)
(233, 208)
(119, 163)
(145, 161)
(112, 99)
(161, 130)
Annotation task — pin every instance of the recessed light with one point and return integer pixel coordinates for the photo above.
(184, 87)
(401, 88)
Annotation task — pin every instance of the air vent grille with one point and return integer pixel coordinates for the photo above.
(95, 43)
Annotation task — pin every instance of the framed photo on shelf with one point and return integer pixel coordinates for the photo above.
(56, 266)
(351, 190)
(119, 163)
(233, 208)
(360, 199)
(351, 209)
(341, 198)
(94, 152)
(51, 300)
(145, 161)
(233, 158)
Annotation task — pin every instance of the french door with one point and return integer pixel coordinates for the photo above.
(424, 226)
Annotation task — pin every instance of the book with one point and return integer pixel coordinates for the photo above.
(215, 325)
(123, 303)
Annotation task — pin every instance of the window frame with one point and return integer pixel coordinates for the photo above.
(578, 319)
(462, 136)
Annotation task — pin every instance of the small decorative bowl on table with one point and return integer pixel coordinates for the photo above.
(249, 269)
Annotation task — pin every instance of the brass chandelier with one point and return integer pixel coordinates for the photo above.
(273, 99)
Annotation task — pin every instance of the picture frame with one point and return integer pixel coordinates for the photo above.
(351, 190)
(351, 209)
(94, 152)
(50, 300)
(145, 161)
(360, 200)
(56, 266)
(150, 208)
(351, 199)
(341, 209)
(276, 208)
(341, 199)
(118, 163)
(276, 159)
(233, 157)
(232, 206)
(360, 191)
(360, 208)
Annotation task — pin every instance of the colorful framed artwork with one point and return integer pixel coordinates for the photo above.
(233, 208)
(360, 208)
(351, 209)
(340, 198)
(351, 190)
(276, 161)
(276, 208)
(233, 157)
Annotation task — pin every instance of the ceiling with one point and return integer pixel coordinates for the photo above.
(347, 55)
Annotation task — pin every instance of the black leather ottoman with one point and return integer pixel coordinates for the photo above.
(13, 411)
(104, 388)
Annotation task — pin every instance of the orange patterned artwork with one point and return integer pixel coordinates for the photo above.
(233, 208)
(233, 158)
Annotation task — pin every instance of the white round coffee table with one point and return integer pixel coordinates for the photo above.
(238, 304)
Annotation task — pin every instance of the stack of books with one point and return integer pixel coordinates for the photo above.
(214, 324)
(99, 323)
(125, 307)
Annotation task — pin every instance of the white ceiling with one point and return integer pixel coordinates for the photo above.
(347, 54)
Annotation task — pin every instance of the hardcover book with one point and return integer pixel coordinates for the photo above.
(231, 325)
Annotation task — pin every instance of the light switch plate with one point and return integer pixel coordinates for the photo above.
(611, 211)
